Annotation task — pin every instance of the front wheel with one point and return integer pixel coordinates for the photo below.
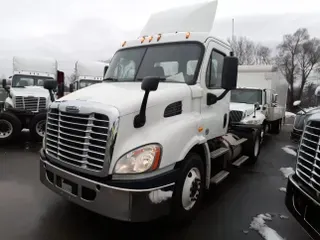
(189, 189)
(10, 127)
(38, 126)
(251, 147)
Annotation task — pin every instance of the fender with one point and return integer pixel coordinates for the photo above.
(177, 136)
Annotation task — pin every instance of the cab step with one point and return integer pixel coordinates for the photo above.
(218, 152)
(240, 161)
(219, 177)
(240, 141)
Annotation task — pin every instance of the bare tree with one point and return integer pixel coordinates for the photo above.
(263, 55)
(308, 57)
(287, 59)
(248, 52)
(308, 97)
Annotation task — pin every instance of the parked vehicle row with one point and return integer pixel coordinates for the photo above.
(155, 134)
(24, 101)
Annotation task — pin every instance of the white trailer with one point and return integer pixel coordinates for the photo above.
(26, 97)
(260, 97)
(88, 73)
(154, 135)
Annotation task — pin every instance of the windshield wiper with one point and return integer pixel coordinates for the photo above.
(110, 79)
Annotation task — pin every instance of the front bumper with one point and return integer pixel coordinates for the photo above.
(303, 206)
(296, 135)
(134, 204)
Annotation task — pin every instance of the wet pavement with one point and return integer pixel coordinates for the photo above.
(29, 211)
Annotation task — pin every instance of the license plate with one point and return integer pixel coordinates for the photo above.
(67, 187)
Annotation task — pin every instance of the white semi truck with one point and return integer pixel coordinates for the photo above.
(155, 134)
(27, 100)
(260, 98)
(88, 73)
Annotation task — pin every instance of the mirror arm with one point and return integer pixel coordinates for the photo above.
(140, 119)
(223, 94)
(302, 109)
(51, 95)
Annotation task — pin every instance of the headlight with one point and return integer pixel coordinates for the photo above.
(251, 121)
(143, 159)
(7, 105)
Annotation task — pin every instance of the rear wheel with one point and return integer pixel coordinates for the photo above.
(10, 127)
(189, 189)
(38, 126)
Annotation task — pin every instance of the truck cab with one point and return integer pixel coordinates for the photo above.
(27, 100)
(149, 139)
(88, 73)
(260, 98)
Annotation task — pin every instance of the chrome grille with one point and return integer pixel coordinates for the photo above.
(308, 163)
(33, 104)
(236, 116)
(77, 139)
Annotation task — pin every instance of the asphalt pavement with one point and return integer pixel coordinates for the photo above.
(29, 211)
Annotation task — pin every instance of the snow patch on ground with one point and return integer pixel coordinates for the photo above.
(290, 114)
(289, 149)
(287, 171)
(258, 223)
(283, 189)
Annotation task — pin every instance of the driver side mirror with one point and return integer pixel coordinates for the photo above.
(5, 86)
(257, 106)
(50, 85)
(229, 73)
(71, 88)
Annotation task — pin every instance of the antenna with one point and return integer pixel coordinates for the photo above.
(232, 29)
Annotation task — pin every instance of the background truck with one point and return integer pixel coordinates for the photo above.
(302, 116)
(155, 134)
(260, 98)
(88, 73)
(303, 187)
(27, 100)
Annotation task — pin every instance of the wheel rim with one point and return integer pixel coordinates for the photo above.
(6, 128)
(191, 188)
(41, 127)
(256, 147)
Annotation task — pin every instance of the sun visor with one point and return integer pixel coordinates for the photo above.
(195, 18)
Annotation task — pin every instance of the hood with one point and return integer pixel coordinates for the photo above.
(127, 97)
(311, 110)
(244, 107)
(33, 91)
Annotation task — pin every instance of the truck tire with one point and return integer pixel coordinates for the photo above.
(10, 127)
(251, 147)
(189, 189)
(37, 126)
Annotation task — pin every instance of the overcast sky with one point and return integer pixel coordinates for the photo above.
(81, 29)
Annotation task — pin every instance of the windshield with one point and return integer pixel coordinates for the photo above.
(175, 62)
(86, 83)
(250, 96)
(25, 80)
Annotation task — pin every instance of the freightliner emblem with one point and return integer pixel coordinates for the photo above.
(72, 109)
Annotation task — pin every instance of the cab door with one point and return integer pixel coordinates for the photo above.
(215, 116)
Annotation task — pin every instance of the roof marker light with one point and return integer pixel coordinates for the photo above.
(124, 43)
(159, 37)
(187, 35)
(150, 38)
(142, 39)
